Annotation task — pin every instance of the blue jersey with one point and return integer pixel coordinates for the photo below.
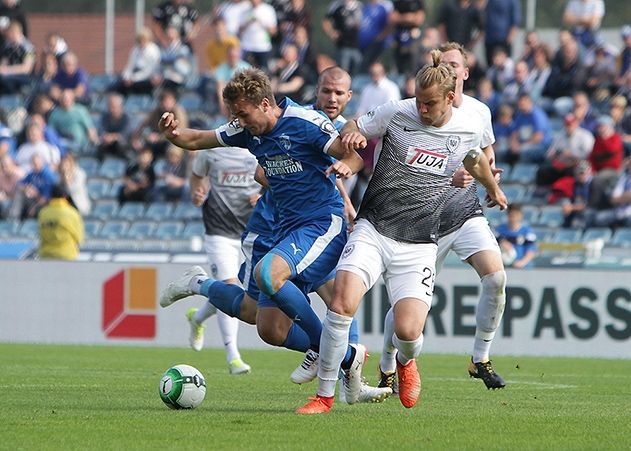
(294, 157)
(339, 121)
(263, 216)
(523, 239)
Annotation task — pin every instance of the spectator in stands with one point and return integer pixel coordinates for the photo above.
(476, 73)
(502, 71)
(176, 62)
(43, 80)
(10, 176)
(50, 134)
(224, 73)
(139, 180)
(17, 60)
(230, 11)
(460, 21)
(298, 15)
(73, 179)
(11, 11)
(520, 84)
(625, 89)
(306, 54)
(624, 57)
(34, 190)
(531, 42)
(570, 146)
(583, 18)
(60, 228)
(532, 135)
(172, 181)
(583, 110)
(608, 152)
(601, 73)
(622, 121)
(502, 18)
(381, 90)
(35, 144)
(620, 199)
(289, 78)
(374, 31)
(567, 73)
(179, 14)
(7, 139)
(73, 122)
(517, 240)
(503, 128)
(408, 16)
(488, 95)
(217, 46)
(71, 76)
(147, 133)
(257, 27)
(539, 74)
(587, 198)
(56, 45)
(115, 130)
(143, 63)
(341, 24)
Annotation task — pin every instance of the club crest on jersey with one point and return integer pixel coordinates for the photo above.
(327, 127)
(348, 250)
(453, 142)
(285, 142)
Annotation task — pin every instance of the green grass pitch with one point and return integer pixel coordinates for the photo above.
(100, 398)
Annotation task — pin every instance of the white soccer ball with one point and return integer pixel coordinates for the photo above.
(182, 387)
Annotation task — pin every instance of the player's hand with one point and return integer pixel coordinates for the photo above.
(341, 170)
(354, 141)
(498, 198)
(198, 197)
(461, 178)
(349, 214)
(168, 125)
(497, 173)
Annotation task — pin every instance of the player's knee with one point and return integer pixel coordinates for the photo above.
(271, 334)
(494, 287)
(407, 330)
(263, 273)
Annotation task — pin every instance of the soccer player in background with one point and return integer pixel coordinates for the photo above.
(465, 230)
(424, 140)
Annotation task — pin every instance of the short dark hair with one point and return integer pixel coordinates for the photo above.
(58, 192)
(515, 207)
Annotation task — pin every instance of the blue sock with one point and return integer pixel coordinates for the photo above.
(353, 332)
(225, 296)
(297, 339)
(295, 304)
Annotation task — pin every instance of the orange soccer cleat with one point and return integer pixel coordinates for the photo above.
(316, 404)
(409, 383)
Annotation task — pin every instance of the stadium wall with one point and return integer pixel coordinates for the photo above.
(573, 312)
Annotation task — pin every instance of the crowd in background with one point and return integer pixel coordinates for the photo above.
(562, 105)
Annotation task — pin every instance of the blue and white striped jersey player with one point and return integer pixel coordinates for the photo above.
(295, 147)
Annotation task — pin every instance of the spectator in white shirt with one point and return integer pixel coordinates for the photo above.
(142, 63)
(380, 91)
(257, 27)
(36, 144)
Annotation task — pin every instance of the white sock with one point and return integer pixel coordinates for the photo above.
(206, 311)
(489, 314)
(229, 328)
(196, 282)
(333, 346)
(388, 353)
(408, 350)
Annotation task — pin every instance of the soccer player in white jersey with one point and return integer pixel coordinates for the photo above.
(222, 183)
(423, 141)
(466, 231)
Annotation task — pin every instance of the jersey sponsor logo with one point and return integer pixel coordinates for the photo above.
(453, 142)
(285, 141)
(281, 165)
(426, 160)
(235, 179)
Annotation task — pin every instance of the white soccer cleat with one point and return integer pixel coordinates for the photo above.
(179, 288)
(307, 370)
(352, 380)
(367, 394)
(196, 337)
(238, 366)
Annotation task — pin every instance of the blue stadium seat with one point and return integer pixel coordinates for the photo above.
(138, 104)
(141, 230)
(9, 228)
(621, 238)
(114, 229)
(92, 228)
(104, 209)
(567, 236)
(523, 173)
(551, 216)
(113, 168)
(155, 246)
(99, 83)
(159, 211)
(185, 211)
(544, 234)
(531, 214)
(10, 102)
(598, 233)
(29, 229)
(514, 193)
(168, 230)
(193, 229)
(190, 102)
(89, 165)
(495, 216)
(98, 188)
(131, 211)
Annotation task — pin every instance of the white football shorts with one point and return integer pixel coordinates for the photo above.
(224, 256)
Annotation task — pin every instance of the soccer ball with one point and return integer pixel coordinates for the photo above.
(182, 387)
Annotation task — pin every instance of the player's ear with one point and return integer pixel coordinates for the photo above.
(265, 104)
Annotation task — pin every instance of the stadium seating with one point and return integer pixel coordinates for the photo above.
(113, 168)
(98, 188)
(92, 228)
(544, 234)
(551, 216)
(523, 173)
(186, 211)
(114, 229)
(567, 236)
(89, 165)
(169, 230)
(104, 209)
(193, 229)
(159, 211)
(29, 229)
(141, 230)
(598, 233)
(131, 211)
(622, 238)
(8, 228)
(138, 104)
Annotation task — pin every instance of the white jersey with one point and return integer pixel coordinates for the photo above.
(463, 203)
(231, 172)
(412, 176)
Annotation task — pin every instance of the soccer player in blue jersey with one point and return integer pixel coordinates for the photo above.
(294, 146)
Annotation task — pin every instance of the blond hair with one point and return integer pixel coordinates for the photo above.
(437, 73)
(449, 46)
(250, 85)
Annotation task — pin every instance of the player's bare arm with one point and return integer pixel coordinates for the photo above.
(186, 138)
(349, 162)
(480, 169)
(462, 178)
(352, 138)
(349, 209)
(199, 189)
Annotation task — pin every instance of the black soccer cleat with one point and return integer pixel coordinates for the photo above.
(485, 371)
(388, 380)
